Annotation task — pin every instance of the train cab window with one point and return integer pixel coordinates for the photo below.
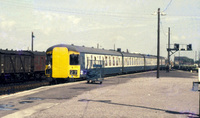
(74, 59)
(49, 59)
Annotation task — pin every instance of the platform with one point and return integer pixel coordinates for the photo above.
(142, 95)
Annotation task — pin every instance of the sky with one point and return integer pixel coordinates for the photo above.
(125, 24)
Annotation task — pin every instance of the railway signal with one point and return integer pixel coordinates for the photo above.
(175, 49)
(176, 46)
(189, 47)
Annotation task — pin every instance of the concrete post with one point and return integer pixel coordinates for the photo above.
(199, 74)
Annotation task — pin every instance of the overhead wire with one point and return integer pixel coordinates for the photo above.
(122, 15)
(164, 11)
(167, 5)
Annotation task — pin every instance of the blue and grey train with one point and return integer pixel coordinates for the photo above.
(73, 62)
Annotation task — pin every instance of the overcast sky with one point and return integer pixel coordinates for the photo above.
(129, 24)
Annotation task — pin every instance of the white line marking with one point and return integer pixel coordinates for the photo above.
(30, 111)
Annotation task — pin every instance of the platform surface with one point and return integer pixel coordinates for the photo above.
(142, 95)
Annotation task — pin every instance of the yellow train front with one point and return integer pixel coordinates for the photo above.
(62, 63)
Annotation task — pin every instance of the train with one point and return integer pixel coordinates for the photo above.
(70, 62)
(21, 65)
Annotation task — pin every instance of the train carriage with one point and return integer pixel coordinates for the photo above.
(14, 65)
(133, 62)
(150, 62)
(162, 63)
(20, 65)
(39, 63)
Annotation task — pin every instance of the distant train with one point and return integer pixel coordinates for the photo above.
(72, 62)
(20, 66)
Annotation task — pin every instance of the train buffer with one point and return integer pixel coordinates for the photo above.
(95, 74)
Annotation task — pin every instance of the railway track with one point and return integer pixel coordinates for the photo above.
(17, 87)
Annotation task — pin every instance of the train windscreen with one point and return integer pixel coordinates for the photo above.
(49, 59)
(74, 59)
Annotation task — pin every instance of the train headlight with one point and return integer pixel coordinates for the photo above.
(49, 66)
(81, 72)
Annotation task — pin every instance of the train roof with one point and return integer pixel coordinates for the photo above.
(132, 54)
(20, 52)
(14, 52)
(85, 49)
(39, 53)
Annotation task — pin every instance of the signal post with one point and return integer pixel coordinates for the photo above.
(176, 48)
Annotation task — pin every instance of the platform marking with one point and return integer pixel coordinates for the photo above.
(29, 111)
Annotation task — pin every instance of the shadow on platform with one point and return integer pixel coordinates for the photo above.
(144, 107)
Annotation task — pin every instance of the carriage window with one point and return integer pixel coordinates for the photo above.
(103, 61)
(95, 60)
(117, 61)
(106, 64)
(109, 61)
(74, 59)
(132, 60)
(113, 61)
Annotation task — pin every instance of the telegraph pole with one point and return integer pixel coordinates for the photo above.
(32, 42)
(168, 49)
(158, 44)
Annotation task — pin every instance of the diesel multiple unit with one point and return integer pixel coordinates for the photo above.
(72, 62)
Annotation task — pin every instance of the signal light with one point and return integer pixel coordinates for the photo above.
(189, 47)
(176, 46)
